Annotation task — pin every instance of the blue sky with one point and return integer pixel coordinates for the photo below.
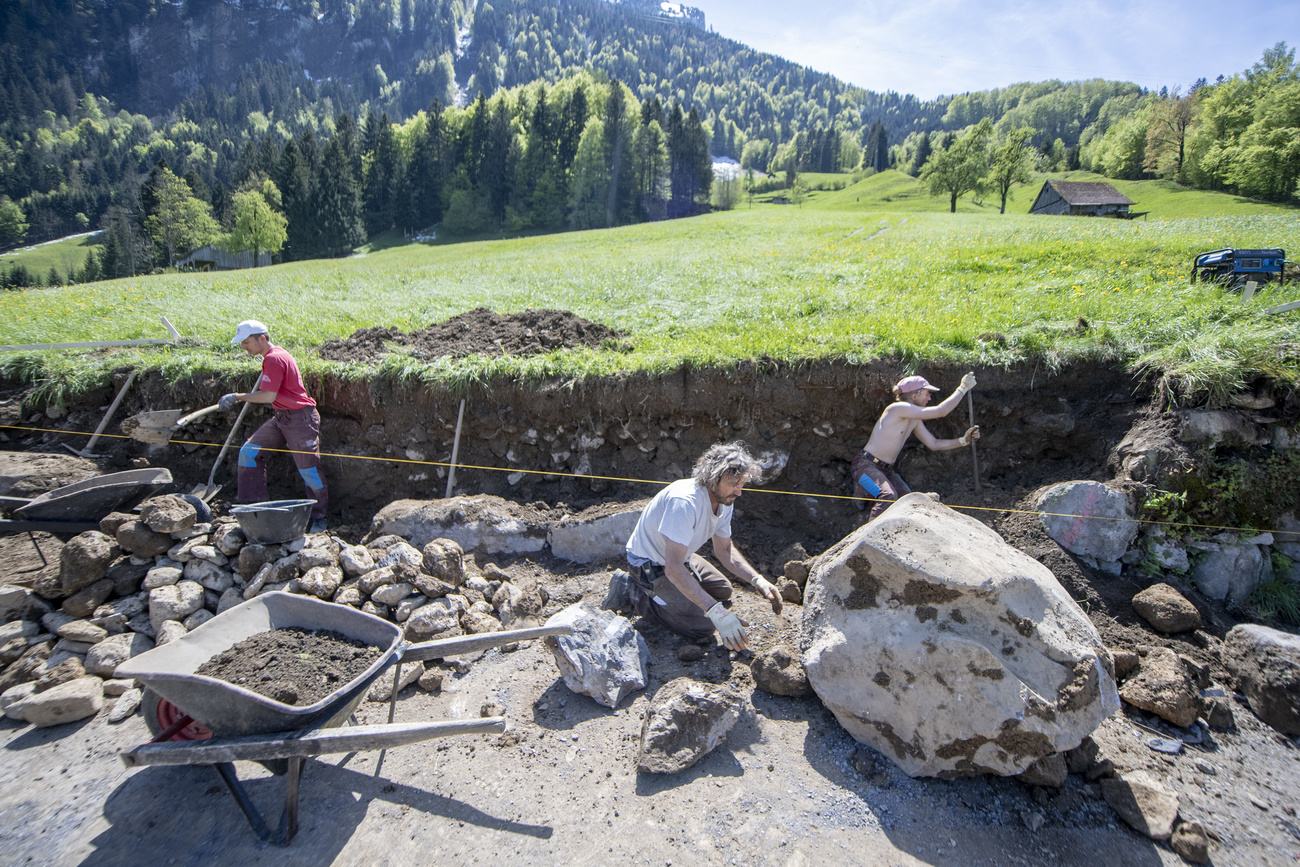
(933, 47)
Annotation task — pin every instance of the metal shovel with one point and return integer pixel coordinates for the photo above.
(158, 427)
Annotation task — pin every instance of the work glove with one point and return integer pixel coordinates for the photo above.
(728, 626)
(228, 401)
(770, 593)
(968, 382)
(971, 434)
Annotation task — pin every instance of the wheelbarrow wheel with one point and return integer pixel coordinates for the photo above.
(160, 714)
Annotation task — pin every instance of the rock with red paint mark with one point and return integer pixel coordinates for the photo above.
(1088, 519)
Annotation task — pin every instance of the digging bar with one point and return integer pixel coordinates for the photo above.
(89, 450)
(974, 458)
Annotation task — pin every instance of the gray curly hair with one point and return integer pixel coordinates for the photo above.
(726, 459)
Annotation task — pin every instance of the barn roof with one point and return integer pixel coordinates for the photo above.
(1089, 193)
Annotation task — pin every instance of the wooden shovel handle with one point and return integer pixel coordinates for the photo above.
(195, 416)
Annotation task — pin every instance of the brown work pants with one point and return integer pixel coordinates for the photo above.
(677, 613)
(297, 430)
(885, 485)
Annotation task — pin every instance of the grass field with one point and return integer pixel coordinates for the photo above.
(64, 255)
(785, 282)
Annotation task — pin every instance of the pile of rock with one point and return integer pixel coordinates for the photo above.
(144, 580)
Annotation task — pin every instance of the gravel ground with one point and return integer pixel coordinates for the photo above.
(788, 787)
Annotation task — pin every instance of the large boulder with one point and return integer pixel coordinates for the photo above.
(946, 649)
(482, 523)
(686, 721)
(1088, 519)
(1211, 427)
(1266, 663)
(604, 657)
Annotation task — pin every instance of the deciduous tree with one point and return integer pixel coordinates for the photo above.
(13, 223)
(962, 167)
(179, 222)
(1010, 164)
(258, 223)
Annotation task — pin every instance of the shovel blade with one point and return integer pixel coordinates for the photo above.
(155, 428)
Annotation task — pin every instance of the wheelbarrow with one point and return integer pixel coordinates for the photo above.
(199, 720)
(78, 507)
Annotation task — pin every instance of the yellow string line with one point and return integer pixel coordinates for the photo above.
(460, 466)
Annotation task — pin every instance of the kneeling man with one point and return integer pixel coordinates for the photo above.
(673, 585)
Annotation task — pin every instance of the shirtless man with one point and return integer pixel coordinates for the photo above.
(873, 469)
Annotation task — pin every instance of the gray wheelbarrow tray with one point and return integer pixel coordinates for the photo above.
(249, 726)
(78, 507)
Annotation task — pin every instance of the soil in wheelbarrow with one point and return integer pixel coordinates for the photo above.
(292, 665)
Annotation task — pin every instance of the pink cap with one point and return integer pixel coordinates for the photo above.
(909, 384)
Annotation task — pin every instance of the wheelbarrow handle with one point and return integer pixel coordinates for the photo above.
(470, 643)
(313, 742)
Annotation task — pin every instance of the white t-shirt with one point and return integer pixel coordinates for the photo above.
(680, 512)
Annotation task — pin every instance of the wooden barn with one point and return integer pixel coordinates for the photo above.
(210, 258)
(1082, 199)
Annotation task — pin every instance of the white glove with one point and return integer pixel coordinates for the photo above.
(968, 382)
(972, 434)
(728, 626)
(769, 592)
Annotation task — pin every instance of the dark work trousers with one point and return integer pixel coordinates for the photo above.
(294, 429)
(678, 613)
(878, 480)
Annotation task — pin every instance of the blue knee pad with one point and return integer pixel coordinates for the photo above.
(868, 485)
(311, 476)
(248, 454)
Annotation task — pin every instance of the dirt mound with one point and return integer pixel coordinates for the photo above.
(478, 332)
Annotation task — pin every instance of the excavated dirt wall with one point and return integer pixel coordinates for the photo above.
(806, 422)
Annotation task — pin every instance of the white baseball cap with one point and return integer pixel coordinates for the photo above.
(247, 329)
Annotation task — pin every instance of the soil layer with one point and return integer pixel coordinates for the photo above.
(292, 665)
(477, 332)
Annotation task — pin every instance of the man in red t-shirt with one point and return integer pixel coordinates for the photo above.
(294, 424)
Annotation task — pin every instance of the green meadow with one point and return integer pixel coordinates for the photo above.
(64, 255)
(857, 273)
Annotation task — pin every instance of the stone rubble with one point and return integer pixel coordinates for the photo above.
(136, 580)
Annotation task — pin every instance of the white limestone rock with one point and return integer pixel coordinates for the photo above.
(949, 651)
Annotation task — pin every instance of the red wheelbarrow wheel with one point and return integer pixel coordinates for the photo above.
(160, 714)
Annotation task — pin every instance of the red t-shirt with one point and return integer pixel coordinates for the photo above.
(280, 374)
